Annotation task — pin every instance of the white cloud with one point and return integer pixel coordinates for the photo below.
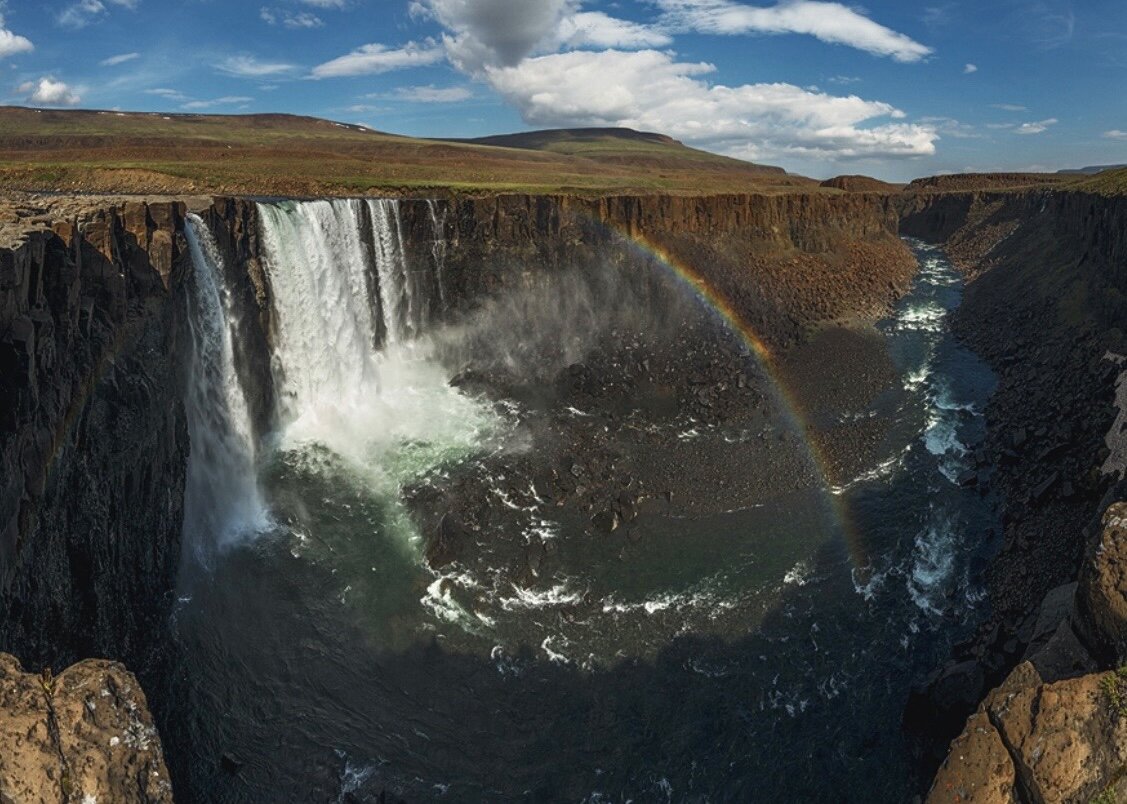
(494, 32)
(599, 30)
(12, 43)
(121, 58)
(370, 59)
(1115, 134)
(844, 79)
(325, 3)
(250, 67)
(1048, 24)
(49, 92)
(83, 12)
(228, 100)
(431, 94)
(830, 22)
(1036, 128)
(970, 68)
(170, 94)
(649, 90)
(290, 19)
(950, 127)
(1009, 107)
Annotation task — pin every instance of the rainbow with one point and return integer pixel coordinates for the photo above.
(783, 397)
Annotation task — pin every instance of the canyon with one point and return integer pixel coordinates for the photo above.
(101, 354)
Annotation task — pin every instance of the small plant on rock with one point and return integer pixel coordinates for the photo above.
(1115, 685)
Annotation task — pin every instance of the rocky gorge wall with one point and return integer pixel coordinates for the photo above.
(1045, 307)
(93, 441)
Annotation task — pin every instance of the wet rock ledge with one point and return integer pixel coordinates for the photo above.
(82, 736)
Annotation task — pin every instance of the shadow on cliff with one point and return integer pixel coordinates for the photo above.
(88, 346)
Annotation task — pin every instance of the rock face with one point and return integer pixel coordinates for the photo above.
(787, 263)
(1055, 731)
(1036, 742)
(1101, 605)
(83, 736)
(93, 440)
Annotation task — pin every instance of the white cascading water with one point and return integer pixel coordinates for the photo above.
(222, 499)
(324, 331)
(396, 298)
(388, 410)
(438, 250)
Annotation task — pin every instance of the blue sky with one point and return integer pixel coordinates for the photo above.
(893, 89)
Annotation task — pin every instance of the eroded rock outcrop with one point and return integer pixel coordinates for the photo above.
(82, 736)
(1101, 603)
(1055, 730)
(1038, 742)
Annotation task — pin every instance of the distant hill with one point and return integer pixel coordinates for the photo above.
(1091, 170)
(861, 184)
(621, 146)
(984, 181)
(289, 155)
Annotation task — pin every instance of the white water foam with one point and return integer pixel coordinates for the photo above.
(933, 562)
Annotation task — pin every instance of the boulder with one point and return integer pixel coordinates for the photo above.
(85, 735)
(1038, 742)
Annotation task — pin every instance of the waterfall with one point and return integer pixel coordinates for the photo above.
(395, 286)
(222, 500)
(340, 278)
(438, 250)
(324, 328)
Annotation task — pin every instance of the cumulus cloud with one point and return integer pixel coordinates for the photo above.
(49, 92)
(121, 58)
(1037, 127)
(371, 59)
(1116, 134)
(830, 22)
(651, 90)
(494, 32)
(250, 67)
(970, 68)
(11, 43)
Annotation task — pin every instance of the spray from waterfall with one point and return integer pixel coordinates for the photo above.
(222, 499)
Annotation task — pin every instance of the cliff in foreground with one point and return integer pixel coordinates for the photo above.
(85, 735)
